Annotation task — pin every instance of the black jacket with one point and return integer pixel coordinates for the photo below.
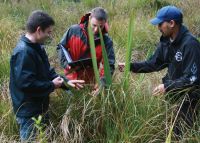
(30, 79)
(181, 57)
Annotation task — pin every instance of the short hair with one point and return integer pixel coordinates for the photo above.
(179, 22)
(37, 19)
(99, 13)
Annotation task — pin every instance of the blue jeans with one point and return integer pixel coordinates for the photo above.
(27, 129)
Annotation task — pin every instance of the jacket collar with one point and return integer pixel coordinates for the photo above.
(27, 41)
(183, 30)
(35, 46)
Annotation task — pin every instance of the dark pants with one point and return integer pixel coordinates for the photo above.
(27, 127)
(187, 116)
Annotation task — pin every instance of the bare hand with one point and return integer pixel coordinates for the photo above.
(96, 90)
(159, 90)
(78, 84)
(121, 67)
(58, 81)
(70, 69)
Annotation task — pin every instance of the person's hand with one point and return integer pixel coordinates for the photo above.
(121, 67)
(159, 90)
(58, 81)
(68, 67)
(78, 84)
(96, 89)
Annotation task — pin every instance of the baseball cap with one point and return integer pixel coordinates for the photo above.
(167, 13)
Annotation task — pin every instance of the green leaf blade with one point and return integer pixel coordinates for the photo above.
(93, 55)
(106, 65)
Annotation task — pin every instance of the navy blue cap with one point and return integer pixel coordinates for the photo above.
(167, 13)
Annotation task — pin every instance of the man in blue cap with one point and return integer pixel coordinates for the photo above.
(179, 51)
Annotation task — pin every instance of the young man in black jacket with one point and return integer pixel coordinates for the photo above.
(31, 77)
(178, 50)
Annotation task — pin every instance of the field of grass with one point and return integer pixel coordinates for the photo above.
(117, 115)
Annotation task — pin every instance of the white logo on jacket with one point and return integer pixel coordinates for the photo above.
(194, 68)
(193, 78)
(178, 56)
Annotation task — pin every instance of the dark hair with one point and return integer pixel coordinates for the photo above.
(99, 13)
(179, 22)
(37, 19)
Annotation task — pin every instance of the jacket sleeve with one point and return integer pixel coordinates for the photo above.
(63, 42)
(25, 75)
(190, 69)
(155, 63)
(52, 73)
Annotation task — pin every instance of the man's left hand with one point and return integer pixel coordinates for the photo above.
(159, 90)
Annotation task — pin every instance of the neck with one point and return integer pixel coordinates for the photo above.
(31, 37)
(175, 32)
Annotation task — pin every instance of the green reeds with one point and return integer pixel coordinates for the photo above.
(169, 136)
(107, 73)
(93, 54)
(128, 53)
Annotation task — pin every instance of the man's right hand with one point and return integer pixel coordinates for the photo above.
(121, 67)
(58, 81)
(78, 84)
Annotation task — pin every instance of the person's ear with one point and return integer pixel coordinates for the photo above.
(38, 30)
(172, 23)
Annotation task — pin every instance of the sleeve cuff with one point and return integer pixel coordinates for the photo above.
(132, 67)
(167, 87)
(52, 86)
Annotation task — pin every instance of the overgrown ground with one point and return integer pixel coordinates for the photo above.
(117, 115)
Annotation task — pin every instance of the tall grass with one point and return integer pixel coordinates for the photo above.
(128, 53)
(107, 71)
(93, 54)
(91, 3)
